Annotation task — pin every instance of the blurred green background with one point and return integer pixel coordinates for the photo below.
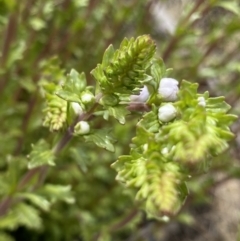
(42, 41)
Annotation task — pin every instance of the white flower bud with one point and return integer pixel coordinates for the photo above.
(167, 113)
(82, 128)
(87, 97)
(168, 89)
(201, 101)
(142, 97)
(77, 108)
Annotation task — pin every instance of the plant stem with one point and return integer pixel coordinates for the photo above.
(28, 177)
(5, 205)
(26, 118)
(9, 36)
(119, 225)
(125, 220)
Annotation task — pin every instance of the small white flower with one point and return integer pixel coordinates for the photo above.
(142, 97)
(77, 108)
(168, 89)
(201, 101)
(167, 113)
(82, 128)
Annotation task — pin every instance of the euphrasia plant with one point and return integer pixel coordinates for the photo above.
(179, 130)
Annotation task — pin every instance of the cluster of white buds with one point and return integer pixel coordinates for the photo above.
(168, 89)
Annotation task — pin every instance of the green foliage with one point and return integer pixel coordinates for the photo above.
(22, 214)
(203, 131)
(56, 183)
(102, 139)
(41, 155)
(157, 162)
(125, 70)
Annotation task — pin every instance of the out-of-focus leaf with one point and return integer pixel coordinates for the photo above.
(41, 155)
(28, 216)
(102, 139)
(16, 54)
(5, 237)
(68, 96)
(57, 193)
(37, 23)
(28, 85)
(119, 113)
(232, 6)
(22, 214)
(37, 200)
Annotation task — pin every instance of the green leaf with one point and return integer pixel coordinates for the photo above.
(5, 237)
(21, 215)
(150, 121)
(217, 104)
(37, 200)
(68, 96)
(188, 92)
(142, 136)
(28, 216)
(81, 157)
(98, 74)
(9, 221)
(119, 112)
(228, 119)
(224, 134)
(102, 139)
(231, 6)
(57, 193)
(28, 85)
(16, 54)
(158, 71)
(73, 87)
(108, 55)
(77, 81)
(41, 155)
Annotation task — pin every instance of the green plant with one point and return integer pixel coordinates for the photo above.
(69, 135)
